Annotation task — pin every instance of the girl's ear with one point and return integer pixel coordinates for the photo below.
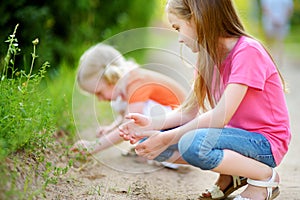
(192, 21)
(112, 74)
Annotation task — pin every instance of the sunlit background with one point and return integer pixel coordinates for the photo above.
(65, 29)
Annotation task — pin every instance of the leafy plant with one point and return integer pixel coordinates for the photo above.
(27, 124)
(25, 115)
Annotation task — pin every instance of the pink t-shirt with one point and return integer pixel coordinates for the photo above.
(264, 109)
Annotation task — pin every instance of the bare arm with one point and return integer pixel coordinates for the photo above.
(139, 126)
(172, 119)
(221, 114)
(216, 118)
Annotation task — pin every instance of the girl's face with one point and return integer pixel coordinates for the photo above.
(187, 31)
(101, 89)
(104, 91)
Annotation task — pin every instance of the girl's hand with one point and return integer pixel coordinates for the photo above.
(135, 128)
(153, 146)
(139, 119)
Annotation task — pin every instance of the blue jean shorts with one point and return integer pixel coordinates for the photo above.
(203, 148)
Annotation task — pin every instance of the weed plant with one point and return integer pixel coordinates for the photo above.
(25, 115)
(27, 123)
(59, 88)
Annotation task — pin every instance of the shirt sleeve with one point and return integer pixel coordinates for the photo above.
(249, 67)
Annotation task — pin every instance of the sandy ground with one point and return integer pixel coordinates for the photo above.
(109, 175)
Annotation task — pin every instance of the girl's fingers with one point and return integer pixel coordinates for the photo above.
(143, 134)
(134, 140)
(125, 127)
(138, 119)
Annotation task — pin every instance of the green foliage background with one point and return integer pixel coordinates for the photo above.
(37, 104)
(64, 27)
(33, 109)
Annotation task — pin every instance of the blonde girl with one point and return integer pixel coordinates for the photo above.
(105, 73)
(236, 121)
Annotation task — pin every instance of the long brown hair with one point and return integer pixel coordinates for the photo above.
(214, 19)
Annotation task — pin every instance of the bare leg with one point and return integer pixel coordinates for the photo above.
(176, 158)
(234, 163)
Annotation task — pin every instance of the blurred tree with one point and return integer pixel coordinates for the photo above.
(64, 26)
(296, 15)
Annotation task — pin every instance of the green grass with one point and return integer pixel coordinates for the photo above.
(30, 114)
(25, 115)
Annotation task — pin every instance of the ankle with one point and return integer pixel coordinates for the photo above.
(224, 181)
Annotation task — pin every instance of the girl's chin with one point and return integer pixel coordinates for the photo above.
(193, 49)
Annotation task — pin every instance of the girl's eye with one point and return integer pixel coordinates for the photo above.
(98, 93)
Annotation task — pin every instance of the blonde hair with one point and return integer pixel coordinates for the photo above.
(101, 61)
(214, 19)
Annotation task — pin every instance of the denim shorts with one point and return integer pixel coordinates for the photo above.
(203, 148)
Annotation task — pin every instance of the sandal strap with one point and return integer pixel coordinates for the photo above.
(239, 197)
(215, 192)
(267, 184)
(236, 181)
(262, 183)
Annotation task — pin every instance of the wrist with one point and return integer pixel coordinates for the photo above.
(168, 138)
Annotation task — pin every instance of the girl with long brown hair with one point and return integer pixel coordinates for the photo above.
(235, 122)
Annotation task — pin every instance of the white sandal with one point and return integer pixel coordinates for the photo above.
(217, 194)
(271, 193)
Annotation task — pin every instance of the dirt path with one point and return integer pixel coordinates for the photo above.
(109, 175)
